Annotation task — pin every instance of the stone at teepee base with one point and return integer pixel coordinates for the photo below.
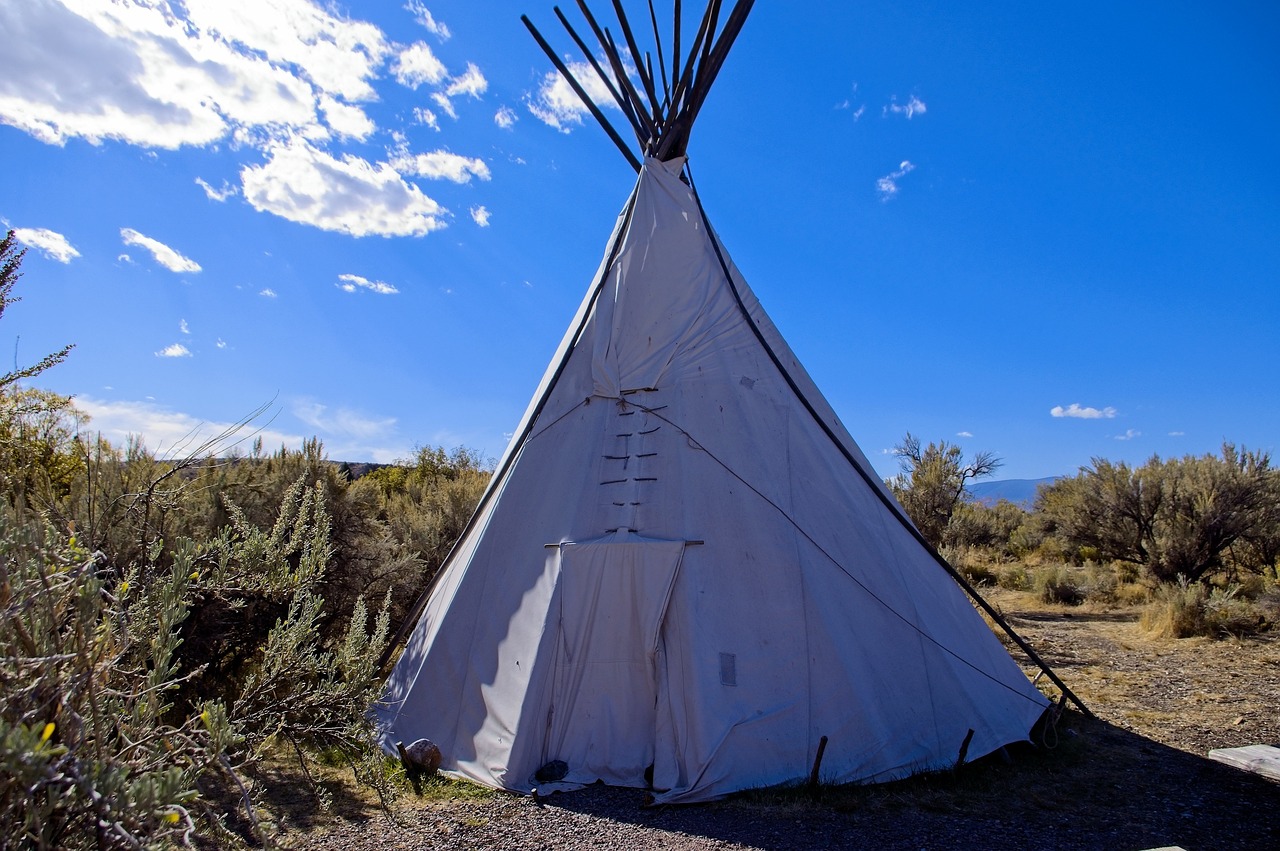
(419, 757)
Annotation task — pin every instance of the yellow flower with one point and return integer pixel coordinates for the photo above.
(172, 818)
(48, 731)
(195, 575)
(204, 716)
(124, 587)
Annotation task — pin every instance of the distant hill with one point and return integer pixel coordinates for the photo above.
(1018, 491)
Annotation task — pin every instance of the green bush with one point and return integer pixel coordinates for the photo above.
(110, 722)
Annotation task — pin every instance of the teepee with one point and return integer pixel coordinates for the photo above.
(685, 575)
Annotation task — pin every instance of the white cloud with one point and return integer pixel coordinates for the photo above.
(887, 186)
(350, 283)
(422, 115)
(346, 119)
(1078, 411)
(859, 112)
(505, 117)
(169, 433)
(425, 18)
(222, 194)
(441, 100)
(556, 104)
(267, 293)
(337, 55)
(1129, 435)
(161, 75)
(417, 65)
(349, 195)
(164, 255)
(1177, 434)
(183, 326)
(442, 165)
(177, 350)
(222, 344)
(913, 107)
(470, 82)
(964, 434)
(50, 243)
(480, 215)
(342, 421)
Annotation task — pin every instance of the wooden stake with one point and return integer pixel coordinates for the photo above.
(817, 762)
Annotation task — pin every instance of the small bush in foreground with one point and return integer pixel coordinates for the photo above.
(110, 734)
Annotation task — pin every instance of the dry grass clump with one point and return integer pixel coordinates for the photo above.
(1060, 584)
(1185, 610)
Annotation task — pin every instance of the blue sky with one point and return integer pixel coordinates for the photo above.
(1049, 231)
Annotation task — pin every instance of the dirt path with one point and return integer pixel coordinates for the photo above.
(1134, 778)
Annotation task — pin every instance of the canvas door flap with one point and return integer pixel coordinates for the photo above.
(613, 598)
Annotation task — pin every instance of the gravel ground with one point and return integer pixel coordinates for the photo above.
(1133, 778)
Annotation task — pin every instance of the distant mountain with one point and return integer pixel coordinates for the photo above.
(1018, 491)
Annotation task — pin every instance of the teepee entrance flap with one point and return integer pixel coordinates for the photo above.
(612, 599)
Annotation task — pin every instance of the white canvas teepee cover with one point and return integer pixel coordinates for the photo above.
(677, 568)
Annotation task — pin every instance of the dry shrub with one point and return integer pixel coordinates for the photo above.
(1127, 572)
(1227, 613)
(1014, 577)
(981, 573)
(1268, 604)
(1185, 610)
(1060, 584)
(1131, 594)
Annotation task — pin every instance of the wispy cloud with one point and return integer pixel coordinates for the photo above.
(442, 165)
(428, 21)
(1077, 411)
(1177, 434)
(50, 243)
(964, 434)
(267, 292)
(227, 190)
(480, 215)
(183, 327)
(470, 82)
(887, 186)
(351, 283)
(177, 350)
(555, 103)
(417, 65)
(422, 115)
(505, 117)
(342, 422)
(1130, 434)
(170, 433)
(163, 254)
(913, 107)
(345, 194)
